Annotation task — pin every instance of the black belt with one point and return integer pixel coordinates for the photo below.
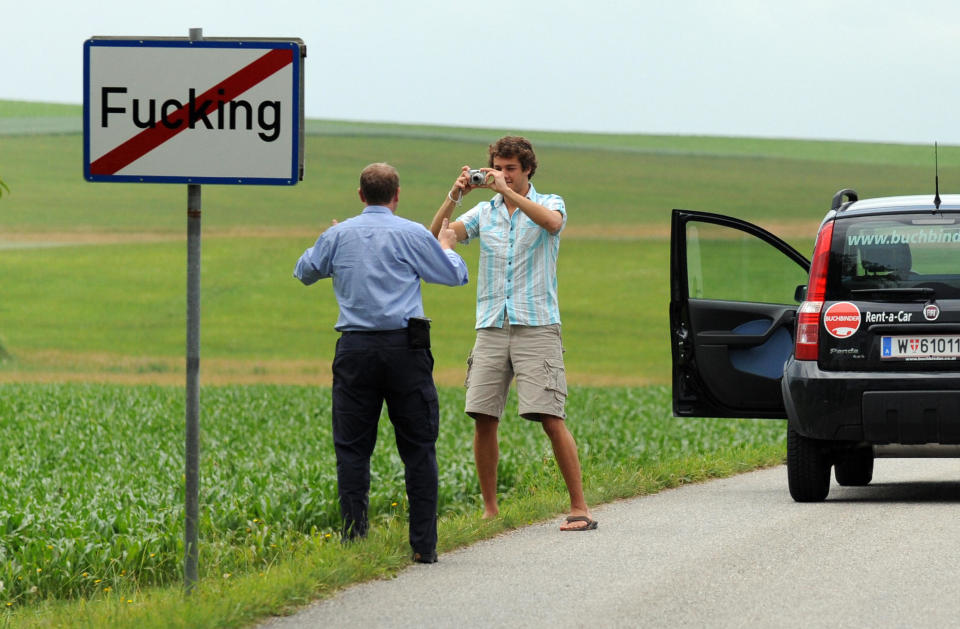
(373, 332)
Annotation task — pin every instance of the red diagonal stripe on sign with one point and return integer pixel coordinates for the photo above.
(232, 86)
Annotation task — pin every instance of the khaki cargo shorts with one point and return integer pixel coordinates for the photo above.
(534, 354)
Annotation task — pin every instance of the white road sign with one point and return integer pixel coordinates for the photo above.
(171, 110)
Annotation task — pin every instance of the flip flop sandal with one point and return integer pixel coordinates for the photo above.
(591, 524)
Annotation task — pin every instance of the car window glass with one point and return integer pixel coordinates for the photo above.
(729, 264)
(904, 251)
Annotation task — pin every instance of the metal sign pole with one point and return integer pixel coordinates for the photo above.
(192, 489)
(202, 89)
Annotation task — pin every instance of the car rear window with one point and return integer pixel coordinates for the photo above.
(900, 251)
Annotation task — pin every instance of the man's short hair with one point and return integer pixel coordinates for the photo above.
(515, 146)
(379, 183)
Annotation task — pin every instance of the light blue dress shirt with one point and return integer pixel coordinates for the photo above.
(377, 260)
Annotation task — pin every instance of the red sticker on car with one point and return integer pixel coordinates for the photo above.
(842, 319)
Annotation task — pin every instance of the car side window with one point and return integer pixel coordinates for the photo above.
(725, 263)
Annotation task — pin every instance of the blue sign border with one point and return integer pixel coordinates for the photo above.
(296, 157)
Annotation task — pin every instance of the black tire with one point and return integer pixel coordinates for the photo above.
(854, 468)
(808, 467)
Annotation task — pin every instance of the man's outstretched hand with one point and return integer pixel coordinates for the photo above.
(447, 236)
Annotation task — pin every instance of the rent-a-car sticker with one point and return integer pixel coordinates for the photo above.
(888, 317)
(842, 319)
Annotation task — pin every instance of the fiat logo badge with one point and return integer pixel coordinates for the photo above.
(931, 312)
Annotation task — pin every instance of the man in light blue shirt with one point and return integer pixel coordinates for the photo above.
(377, 261)
(518, 315)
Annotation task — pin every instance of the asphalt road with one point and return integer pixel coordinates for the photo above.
(736, 552)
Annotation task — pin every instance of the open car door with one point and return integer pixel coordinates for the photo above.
(734, 289)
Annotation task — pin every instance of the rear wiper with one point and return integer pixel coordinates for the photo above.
(918, 293)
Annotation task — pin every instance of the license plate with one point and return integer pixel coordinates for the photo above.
(905, 347)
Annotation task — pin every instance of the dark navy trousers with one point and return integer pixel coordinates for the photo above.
(368, 369)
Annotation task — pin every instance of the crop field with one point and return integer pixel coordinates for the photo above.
(92, 345)
(92, 497)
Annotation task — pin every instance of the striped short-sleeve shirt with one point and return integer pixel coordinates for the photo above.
(517, 274)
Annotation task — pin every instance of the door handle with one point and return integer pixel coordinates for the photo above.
(784, 317)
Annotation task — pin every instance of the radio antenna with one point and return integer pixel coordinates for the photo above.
(936, 176)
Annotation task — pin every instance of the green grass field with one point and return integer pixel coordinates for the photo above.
(92, 496)
(92, 301)
(94, 274)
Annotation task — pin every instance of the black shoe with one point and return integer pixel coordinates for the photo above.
(353, 532)
(430, 557)
(346, 539)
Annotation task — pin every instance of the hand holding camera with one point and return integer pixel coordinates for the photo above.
(469, 179)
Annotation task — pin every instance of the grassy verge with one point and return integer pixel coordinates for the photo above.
(91, 498)
(320, 567)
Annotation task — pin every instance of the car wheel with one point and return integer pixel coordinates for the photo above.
(808, 467)
(855, 468)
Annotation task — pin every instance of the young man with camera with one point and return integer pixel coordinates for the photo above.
(518, 316)
(377, 261)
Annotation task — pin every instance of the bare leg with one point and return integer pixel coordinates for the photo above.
(565, 452)
(486, 454)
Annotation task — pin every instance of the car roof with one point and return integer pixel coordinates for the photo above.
(896, 205)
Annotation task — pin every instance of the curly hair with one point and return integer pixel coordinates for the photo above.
(515, 146)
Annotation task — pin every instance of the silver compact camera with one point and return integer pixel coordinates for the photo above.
(476, 177)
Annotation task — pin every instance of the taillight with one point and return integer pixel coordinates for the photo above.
(808, 315)
(808, 330)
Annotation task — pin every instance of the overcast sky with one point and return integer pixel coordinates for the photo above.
(819, 69)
